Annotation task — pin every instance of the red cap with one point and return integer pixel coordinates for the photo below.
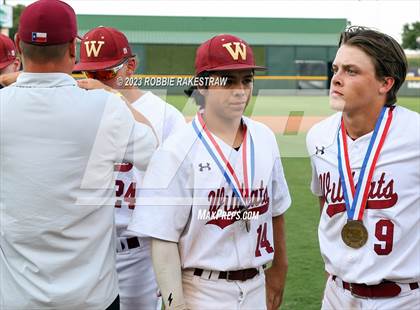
(101, 48)
(48, 22)
(224, 52)
(7, 51)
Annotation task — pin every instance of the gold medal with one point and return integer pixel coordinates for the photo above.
(354, 234)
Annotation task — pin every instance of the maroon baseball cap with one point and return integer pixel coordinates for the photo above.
(48, 22)
(224, 52)
(102, 48)
(7, 51)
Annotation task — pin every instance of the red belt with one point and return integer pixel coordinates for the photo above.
(236, 275)
(384, 289)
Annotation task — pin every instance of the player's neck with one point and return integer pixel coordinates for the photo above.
(50, 67)
(132, 94)
(361, 123)
(229, 130)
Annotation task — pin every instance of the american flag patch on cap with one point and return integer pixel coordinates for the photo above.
(39, 37)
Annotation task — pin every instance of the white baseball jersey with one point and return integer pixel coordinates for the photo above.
(59, 144)
(184, 194)
(392, 215)
(165, 120)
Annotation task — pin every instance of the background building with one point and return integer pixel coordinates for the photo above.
(297, 52)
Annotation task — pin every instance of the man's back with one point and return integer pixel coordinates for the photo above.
(58, 147)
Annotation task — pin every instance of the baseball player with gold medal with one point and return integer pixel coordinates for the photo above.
(214, 196)
(365, 170)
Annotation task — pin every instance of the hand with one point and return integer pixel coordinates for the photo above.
(9, 78)
(274, 286)
(92, 84)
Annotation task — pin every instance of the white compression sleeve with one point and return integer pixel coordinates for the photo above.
(167, 266)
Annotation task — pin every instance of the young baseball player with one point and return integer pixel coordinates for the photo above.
(106, 56)
(8, 61)
(365, 170)
(214, 195)
(59, 144)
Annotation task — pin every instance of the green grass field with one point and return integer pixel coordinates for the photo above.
(306, 277)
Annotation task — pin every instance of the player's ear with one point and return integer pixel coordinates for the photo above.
(131, 65)
(72, 48)
(203, 91)
(387, 84)
(17, 43)
(16, 64)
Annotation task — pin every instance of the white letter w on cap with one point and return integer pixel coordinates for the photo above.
(240, 49)
(93, 48)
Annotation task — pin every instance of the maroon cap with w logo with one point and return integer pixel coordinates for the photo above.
(224, 52)
(102, 48)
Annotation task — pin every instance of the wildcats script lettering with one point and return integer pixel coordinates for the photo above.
(381, 194)
(226, 201)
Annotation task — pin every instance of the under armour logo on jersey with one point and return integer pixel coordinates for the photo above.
(92, 47)
(170, 299)
(240, 49)
(204, 166)
(320, 150)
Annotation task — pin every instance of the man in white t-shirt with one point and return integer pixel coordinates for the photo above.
(365, 171)
(59, 144)
(214, 195)
(106, 56)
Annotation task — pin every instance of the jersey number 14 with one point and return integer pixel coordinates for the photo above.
(262, 241)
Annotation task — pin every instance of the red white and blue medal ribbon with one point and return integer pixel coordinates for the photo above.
(243, 192)
(356, 196)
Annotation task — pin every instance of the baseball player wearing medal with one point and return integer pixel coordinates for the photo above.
(367, 178)
(107, 60)
(214, 195)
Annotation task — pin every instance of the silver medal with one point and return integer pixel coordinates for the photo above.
(247, 225)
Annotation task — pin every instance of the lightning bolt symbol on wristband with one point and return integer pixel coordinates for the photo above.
(170, 299)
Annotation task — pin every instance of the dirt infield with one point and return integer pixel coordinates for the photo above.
(287, 125)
